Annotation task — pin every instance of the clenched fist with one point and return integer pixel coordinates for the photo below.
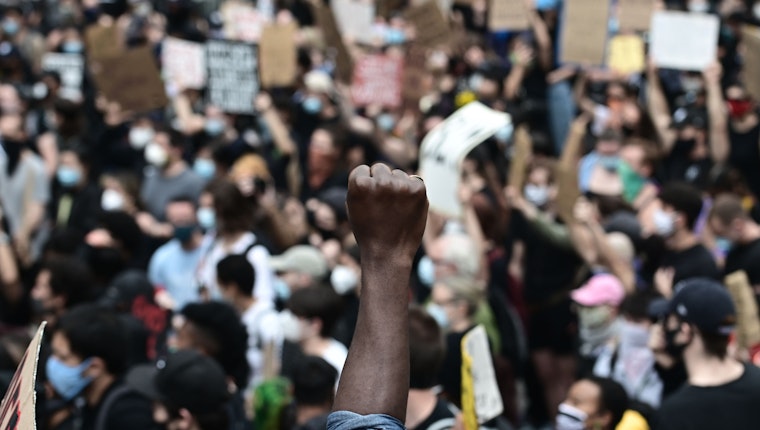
(387, 211)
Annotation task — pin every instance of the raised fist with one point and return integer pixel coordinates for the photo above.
(387, 211)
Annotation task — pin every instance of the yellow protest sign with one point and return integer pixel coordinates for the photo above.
(626, 54)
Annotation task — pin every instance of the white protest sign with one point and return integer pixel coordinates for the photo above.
(70, 67)
(479, 377)
(444, 149)
(183, 63)
(355, 18)
(18, 409)
(684, 41)
(233, 78)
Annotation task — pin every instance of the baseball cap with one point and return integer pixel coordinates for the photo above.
(125, 288)
(301, 259)
(602, 289)
(186, 379)
(704, 303)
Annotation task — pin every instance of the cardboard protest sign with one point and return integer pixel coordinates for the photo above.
(233, 80)
(444, 148)
(377, 80)
(506, 15)
(635, 15)
(432, 27)
(386, 8)
(70, 67)
(626, 54)
(242, 21)
(279, 57)
(481, 399)
(354, 18)
(184, 63)
(18, 409)
(103, 42)
(684, 41)
(413, 86)
(751, 55)
(748, 325)
(132, 80)
(520, 158)
(588, 18)
(345, 63)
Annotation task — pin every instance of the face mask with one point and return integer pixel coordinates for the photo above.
(386, 122)
(691, 85)
(426, 271)
(438, 314)
(184, 233)
(570, 418)
(394, 36)
(156, 155)
(671, 347)
(609, 162)
(10, 27)
(546, 4)
(536, 194)
(475, 82)
(664, 224)
(593, 317)
(111, 200)
(632, 181)
(291, 326)
(67, 381)
(633, 335)
(723, 244)
(214, 127)
(343, 279)
(72, 47)
(139, 137)
(204, 167)
(206, 218)
(312, 105)
(281, 289)
(504, 134)
(40, 91)
(738, 109)
(67, 176)
(685, 145)
(698, 7)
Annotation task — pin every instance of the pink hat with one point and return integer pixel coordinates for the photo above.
(600, 290)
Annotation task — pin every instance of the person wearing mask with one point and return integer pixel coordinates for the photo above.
(721, 391)
(600, 165)
(301, 266)
(86, 369)
(172, 267)
(231, 234)
(744, 134)
(738, 235)
(324, 154)
(314, 382)
(236, 278)
(188, 390)
(62, 283)
(75, 200)
(636, 170)
(598, 301)
(592, 403)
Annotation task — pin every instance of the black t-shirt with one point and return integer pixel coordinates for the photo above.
(730, 406)
(745, 156)
(442, 417)
(694, 262)
(747, 258)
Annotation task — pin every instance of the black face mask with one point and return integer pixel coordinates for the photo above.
(685, 145)
(671, 347)
(12, 150)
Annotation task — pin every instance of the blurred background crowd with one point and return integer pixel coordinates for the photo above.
(196, 266)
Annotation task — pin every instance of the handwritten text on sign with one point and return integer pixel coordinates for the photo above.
(377, 80)
(232, 75)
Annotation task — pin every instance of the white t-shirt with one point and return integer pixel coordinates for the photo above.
(335, 354)
(262, 323)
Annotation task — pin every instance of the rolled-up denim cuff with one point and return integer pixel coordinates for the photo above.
(344, 420)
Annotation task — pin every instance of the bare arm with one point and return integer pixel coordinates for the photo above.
(719, 141)
(282, 141)
(387, 211)
(543, 38)
(190, 122)
(659, 110)
(579, 91)
(9, 275)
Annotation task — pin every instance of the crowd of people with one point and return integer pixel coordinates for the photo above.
(200, 269)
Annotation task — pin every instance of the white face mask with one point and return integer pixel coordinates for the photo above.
(664, 224)
(591, 318)
(291, 326)
(570, 418)
(111, 200)
(139, 137)
(633, 335)
(699, 6)
(343, 279)
(536, 194)
(156, 155)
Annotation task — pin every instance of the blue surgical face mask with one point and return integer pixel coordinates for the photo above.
(386, 122)
(204, 167)
(426, 271)
(281, 289)
(547, 4)
(438, 314)
(505, 133)
(72, 47)
(206, 218)
(10, 27)
(609, 162)
(312, 105)
(68, 176)
(68, 381)
(214, 127)
(724, 244)
(394, 36)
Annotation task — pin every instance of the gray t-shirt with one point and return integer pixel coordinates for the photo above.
(158, 190)
(30, 179)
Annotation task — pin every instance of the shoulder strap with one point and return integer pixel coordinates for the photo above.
(100, 422)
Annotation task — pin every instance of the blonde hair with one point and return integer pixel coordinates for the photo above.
(250, 165)
(464, 288)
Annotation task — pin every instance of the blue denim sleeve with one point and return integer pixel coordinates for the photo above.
(344, 420)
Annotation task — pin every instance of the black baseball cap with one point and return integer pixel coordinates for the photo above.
(704, 303)
(185, 380)
(125, 288)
